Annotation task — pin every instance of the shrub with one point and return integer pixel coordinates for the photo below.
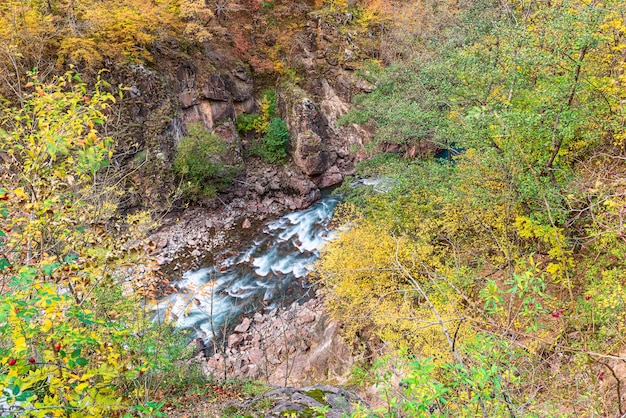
(267, 105)
(273, 145)
(200, 165)
(74, 343)
(245, 122)
(272, 134)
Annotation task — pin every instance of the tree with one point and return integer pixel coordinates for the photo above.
(200, 163)
(70, 344)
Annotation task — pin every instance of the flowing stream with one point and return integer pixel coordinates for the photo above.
(269, 272)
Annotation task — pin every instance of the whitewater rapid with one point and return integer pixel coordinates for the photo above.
(269, 272)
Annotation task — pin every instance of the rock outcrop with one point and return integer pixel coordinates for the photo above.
(298, 345)
(213, 97)
(335, 402)
(214, 84)
(310, 155)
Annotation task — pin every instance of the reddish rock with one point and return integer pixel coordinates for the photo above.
(256, 355)
(305, 316)
(234, 340)
(243, 327)
(330, 177)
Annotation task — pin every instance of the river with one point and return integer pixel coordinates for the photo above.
(271, 271)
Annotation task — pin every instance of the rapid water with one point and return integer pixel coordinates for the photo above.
(268, 273)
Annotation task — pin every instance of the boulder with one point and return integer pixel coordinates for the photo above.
(305, 316)
(336, 402)
(330, 177)
(256, 356)
(309, 154)
(258, 318)
(243, 327)
(234, 340)
(307, 191)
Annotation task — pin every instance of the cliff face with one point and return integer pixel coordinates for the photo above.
(217, 82)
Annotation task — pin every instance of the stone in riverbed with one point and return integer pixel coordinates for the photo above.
(243, 327)
(234, 340)
(255, 356)
(258, 318)
(246, 224)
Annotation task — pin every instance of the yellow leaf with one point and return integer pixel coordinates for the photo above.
(47, 325)
(20, 343)
(81, 387)
(20, 193)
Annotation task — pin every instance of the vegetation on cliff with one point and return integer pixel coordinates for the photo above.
(74, 339)
(200, 163)
(271, 135)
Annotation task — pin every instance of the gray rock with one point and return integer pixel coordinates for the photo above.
(337, 401)
(310, 155)
(240, 86)
(215, 88)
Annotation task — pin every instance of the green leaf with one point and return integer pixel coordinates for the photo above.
(4, 263)
(70, 257)
(81, 361)
(24, 396)
(49, 268)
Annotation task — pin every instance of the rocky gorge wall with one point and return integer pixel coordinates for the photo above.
(214, 84)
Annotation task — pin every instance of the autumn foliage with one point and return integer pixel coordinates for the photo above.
(491, 267)
(73, 338)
